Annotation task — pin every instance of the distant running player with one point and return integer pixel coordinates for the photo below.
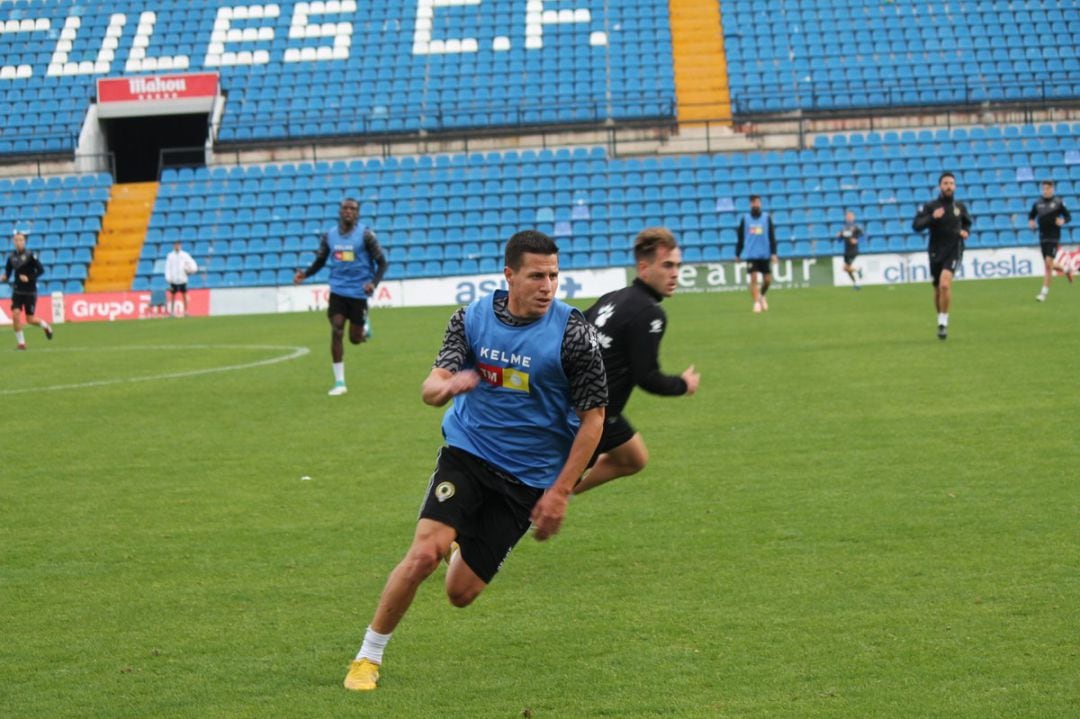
(949, 223)
(850, 234)
(630, 324)
(24, 268)
(757, 240)
(357, 265)
(1048, 214)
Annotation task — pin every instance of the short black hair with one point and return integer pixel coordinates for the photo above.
(944, 175)
(351, 200)
(1048, 182)
(532, 241)
(755, 197)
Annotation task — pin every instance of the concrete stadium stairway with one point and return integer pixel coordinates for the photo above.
(123, 231)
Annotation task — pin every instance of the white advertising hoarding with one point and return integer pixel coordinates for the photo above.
(432, 292)
(982, 264)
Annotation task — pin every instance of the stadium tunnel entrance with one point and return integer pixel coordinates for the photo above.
(143, 146)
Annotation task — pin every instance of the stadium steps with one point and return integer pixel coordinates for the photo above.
(123, 231)
(701, 77)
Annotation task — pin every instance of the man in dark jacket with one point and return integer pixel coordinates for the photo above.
(949, 224)
(629, 326)
(23, 269)
(1047, 215)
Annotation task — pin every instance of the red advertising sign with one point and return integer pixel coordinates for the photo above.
(157, 94)
(157, 87)
(109, 306)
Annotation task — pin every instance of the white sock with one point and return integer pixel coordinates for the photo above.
(45, 326)
(20, 338)
(1045, 290)
(339, 372)
(374, 644)
(943, 318)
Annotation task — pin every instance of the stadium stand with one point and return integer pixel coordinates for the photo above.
(844, 54)
(447, 214)
(319, 69)
(296, 71)
(61, 216)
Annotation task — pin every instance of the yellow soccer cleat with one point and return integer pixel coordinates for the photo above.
(363, 676)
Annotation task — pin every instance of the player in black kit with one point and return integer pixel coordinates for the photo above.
(630, 324)
(24, 268)
(1047, 215)
(949, 223)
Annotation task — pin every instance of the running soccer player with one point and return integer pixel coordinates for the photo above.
(949, 223)
(1048, 214)
(757, 236)
(850, 234)
(629, 325)
(527, 379)
(357, 265)
(24, 268)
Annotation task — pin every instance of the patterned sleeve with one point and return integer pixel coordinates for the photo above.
(454, 354)
(583, 364)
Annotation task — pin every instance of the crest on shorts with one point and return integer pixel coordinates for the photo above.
(444, 491)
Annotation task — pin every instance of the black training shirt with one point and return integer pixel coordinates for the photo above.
(945, 239)
(23, 263)
(630, 324)
(1045, 212)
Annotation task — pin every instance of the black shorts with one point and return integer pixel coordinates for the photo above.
(948, 262)
(174, 288)
(761, 266)
(617, 432)
(1049, 249)
(488, 508)
(24, 301)
(352, 308)
(849, 257)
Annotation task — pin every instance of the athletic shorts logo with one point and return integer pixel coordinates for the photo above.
(444, 491)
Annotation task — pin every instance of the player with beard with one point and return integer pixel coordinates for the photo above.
(950, 224)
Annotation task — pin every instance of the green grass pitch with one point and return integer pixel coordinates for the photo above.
(850, 519)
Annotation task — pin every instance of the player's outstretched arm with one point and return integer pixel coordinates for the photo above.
(442, 385)
(547, 516)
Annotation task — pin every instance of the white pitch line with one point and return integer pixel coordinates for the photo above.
(294, 353)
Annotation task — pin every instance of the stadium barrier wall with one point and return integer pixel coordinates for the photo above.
(982, 264)
(106, 306)
(794, 273)
(434, 292)
(731, 276)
